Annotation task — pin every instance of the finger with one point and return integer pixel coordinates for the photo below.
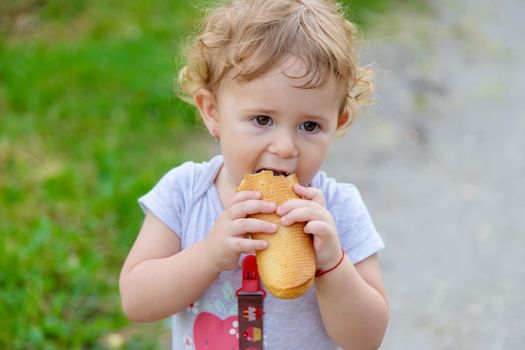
(317, 227)
(245, 225)
(293, 204)
(303, 214)
(243, 196)
(245, 245)
(252, 206)
(310, 193)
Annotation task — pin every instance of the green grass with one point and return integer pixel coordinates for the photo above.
(88, 122)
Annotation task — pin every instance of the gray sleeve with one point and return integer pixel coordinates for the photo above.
(357, 233)
(168, 199)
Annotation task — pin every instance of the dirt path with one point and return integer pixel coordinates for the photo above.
(440, 162)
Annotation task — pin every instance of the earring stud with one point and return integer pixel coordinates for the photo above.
(215, 134)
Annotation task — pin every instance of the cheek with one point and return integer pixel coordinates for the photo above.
(240, 153)
(307, 171)
(313, 157)
(317, 146)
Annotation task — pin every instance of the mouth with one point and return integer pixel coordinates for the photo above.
(276, 172)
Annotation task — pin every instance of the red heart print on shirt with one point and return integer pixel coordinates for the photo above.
(212, 333)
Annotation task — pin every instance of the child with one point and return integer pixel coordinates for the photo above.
(274, 81)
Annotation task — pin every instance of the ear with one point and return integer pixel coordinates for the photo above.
(343, 118)
(207, 106)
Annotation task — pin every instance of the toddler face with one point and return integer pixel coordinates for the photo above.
(267, 123)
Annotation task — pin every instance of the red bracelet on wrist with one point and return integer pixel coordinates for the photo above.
(320, 273)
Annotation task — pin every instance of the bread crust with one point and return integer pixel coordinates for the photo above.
(287, 266)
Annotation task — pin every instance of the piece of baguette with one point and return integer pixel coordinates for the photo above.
(287, 266)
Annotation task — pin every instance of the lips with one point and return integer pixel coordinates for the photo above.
(276, 172)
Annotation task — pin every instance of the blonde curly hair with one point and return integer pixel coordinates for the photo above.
(251, 37)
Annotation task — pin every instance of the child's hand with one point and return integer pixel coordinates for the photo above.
(319, 222)
(229, 237)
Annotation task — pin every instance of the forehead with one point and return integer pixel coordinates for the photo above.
(283, 87)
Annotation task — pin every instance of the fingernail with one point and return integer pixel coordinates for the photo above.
(284, 220)
(273, 227)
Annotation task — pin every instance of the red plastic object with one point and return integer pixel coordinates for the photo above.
(250, 277)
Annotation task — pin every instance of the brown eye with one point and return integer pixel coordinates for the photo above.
(263, 120)
(310, 126)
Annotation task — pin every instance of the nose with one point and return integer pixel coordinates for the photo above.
(284, 145)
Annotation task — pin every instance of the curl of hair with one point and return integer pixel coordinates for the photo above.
(245, 39)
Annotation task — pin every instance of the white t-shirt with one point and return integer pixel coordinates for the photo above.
(187, 201)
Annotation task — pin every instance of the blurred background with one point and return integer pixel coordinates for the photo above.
(89, 122)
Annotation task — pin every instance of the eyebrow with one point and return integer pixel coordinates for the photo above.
(272, 112)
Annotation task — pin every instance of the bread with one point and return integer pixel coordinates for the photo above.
(287, 266)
